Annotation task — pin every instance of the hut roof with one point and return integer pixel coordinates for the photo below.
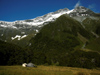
(30, 65)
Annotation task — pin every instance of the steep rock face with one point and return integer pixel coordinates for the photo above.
(80, 13)
(82, 10)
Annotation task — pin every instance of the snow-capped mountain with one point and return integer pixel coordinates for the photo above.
(37, 21)
(18, 30)
(42, 20)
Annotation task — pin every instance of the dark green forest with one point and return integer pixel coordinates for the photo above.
(14, 55)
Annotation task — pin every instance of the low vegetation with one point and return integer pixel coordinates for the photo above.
(46, 70)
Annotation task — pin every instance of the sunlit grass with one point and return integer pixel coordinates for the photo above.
(46, 70)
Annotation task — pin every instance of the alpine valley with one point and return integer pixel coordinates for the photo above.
(64, 38)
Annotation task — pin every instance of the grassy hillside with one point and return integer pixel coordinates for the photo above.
(46, 70)
(94, 45)
(65, 31)
(59, 43)
(92, 25)
(23, 29)
(23, 42)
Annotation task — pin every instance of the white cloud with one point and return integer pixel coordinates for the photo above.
(77, 4)
(92, 6)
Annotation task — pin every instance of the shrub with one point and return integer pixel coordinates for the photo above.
(82, 73)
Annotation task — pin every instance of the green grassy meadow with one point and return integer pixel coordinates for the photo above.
(46, 70)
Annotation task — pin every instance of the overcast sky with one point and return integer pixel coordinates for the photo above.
(11, 10)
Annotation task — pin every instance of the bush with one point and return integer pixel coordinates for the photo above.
(82, 73)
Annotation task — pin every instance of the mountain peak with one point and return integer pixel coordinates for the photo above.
(81, 9)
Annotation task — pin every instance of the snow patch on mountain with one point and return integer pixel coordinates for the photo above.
(22, 32)
(19, 37)
(37, 31)
(1, 34)
(3, 26)
(23, 36)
